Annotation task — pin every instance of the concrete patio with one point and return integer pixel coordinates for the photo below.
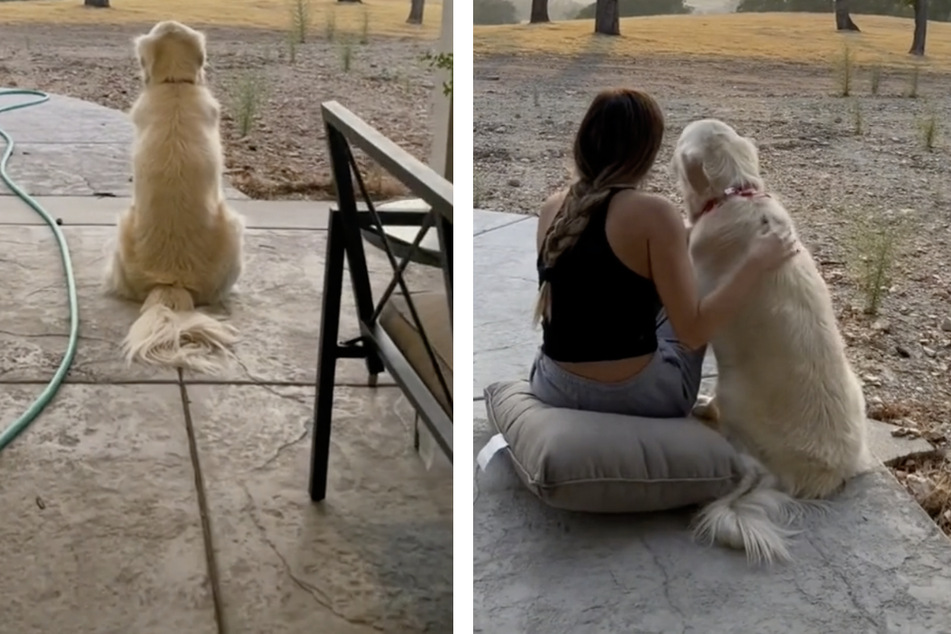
(876, 563)
(103, 499)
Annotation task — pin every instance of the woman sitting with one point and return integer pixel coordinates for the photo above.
(624, 329)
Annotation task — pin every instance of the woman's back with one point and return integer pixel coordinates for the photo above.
(602, 308)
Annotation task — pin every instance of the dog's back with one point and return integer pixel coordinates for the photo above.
(180, 230)
(177, 153)
(785, 388)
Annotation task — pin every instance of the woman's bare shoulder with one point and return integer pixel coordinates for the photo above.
(552, 204)
(636, 209)
(637, 199)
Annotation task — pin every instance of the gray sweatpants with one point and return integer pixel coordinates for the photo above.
(666, 388)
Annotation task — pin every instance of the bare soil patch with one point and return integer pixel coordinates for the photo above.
(845, 167)
(284, 154)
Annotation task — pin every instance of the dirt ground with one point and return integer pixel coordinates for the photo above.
(848, 169)
(284, 154)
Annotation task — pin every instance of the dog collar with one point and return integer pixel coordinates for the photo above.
(745, 192)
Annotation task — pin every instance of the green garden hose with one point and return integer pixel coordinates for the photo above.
(11, 432)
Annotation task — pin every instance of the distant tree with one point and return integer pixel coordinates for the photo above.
(843, 21)
(938, 10)
(562, 9)
(102, 4)
(493, 12)
(632, 8)
(415, 12)
(783, 6)
(921, 27)
(606, 18)
(539, 11)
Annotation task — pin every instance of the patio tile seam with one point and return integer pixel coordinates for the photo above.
(21, 143)
(253, 227)
(308, 384)
(276, 383)
(211, 561)
(92, 382)
(507, 224)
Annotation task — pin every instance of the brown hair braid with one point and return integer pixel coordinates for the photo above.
(616, 145)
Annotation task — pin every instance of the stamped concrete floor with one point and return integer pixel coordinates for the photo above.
(876, 563)
(71, 147)
(101, 497)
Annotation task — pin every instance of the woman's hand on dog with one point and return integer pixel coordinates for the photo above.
(771, 247)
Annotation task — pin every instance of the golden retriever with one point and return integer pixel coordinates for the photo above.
(179, 245)
(786, 394)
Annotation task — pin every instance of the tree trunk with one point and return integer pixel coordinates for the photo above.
(539, 11)
(921, 27)
(96, 3)
(415, 12)
(606, 19)
(843, 21)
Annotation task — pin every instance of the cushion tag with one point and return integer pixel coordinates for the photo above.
(496, 443)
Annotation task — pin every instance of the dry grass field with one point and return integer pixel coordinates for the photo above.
(806, 38)
(385, 17)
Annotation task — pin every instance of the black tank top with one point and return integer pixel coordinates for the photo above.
(600, 309)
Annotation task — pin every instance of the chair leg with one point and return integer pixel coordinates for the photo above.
(327, 360)
(360, 278)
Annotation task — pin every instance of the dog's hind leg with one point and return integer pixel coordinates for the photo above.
(114, 281)
(232, 232)
(816, 483)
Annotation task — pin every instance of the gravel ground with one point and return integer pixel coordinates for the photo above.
(853, 172)
(284, 154)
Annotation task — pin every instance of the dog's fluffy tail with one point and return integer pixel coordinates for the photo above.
(749, 517)
(170, 332)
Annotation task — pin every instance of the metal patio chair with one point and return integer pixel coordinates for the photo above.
(404, 331)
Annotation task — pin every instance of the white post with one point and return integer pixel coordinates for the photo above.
(440, 154)
(440, 158)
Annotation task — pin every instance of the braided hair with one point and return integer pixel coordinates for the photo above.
(615, 148)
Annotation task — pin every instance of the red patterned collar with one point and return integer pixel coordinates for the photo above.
(745, 192)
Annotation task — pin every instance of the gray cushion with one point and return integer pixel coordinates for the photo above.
(609, 463)
(433, 311)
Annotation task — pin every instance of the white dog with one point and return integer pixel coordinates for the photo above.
(179, 244)
(786, 394)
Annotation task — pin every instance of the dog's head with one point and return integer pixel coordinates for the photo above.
(171, 53)
(711, 157)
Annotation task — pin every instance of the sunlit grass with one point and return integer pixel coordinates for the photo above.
(388, 17)
(789, 37)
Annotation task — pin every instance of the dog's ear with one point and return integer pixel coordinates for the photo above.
(753, 152)
(201, 47)
(692, 169)
(145, 53)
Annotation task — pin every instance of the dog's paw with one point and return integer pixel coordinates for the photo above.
(705, 409)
